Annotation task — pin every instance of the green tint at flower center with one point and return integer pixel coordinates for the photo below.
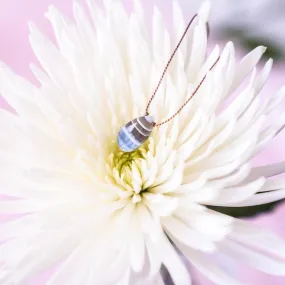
(123, 160)
(129, 172)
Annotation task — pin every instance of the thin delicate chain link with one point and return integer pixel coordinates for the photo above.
(188, 100)
(165, 70)
(168, 63)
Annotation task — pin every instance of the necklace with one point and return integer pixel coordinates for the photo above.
(137, 131)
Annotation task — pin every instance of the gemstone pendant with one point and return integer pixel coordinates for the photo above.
(135, 133)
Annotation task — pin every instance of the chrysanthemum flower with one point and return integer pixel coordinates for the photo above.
(108, 217)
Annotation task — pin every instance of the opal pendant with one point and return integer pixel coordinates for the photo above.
(135, 133)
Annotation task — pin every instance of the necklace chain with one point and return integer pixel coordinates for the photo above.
(164, 72)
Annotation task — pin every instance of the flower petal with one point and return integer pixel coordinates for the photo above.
(260, 199)
(175, 266)
(254, 259)
(256, 237)
(181, 232)
(246, 65)
(235, 195)
(267, 170)
(208, 268)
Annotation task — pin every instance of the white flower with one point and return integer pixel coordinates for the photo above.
(107, 215)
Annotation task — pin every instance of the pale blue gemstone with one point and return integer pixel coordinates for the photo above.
(135, 133)
(149, 119)
(126, 141)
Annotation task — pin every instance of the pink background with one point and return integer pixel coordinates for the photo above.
(16, 52)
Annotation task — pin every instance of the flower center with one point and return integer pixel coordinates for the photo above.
(130, 171)
(145, 177)
(124, 161)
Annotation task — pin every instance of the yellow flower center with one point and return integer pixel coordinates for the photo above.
(128, 171)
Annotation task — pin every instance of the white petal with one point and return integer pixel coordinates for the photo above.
(275, 100)
(83, 23)
(235, 178)
(205, 10)
(20, 228)
(160, 51)
(23, 89)
(136, 248)
(159, 281)
(117, 267)
(212, 224)
(267, 170)
(95, 12)
(175, 266)
(263, 76)
(166, 169)
(23, 206)
(192, 238)
(260, 199)
(155, 259)
(171, 183)
(160, 205)
(212, 58)
(179, 25)
(216, 140)
(273, 184)
(257, 237)
(198, 51)
(28, 258)
(246, 65)
(150, 224)
(204, 195)
(208, 268)
(21, 96)
(234, 195)
(73, 270)
(255, 259)
(50, 58)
